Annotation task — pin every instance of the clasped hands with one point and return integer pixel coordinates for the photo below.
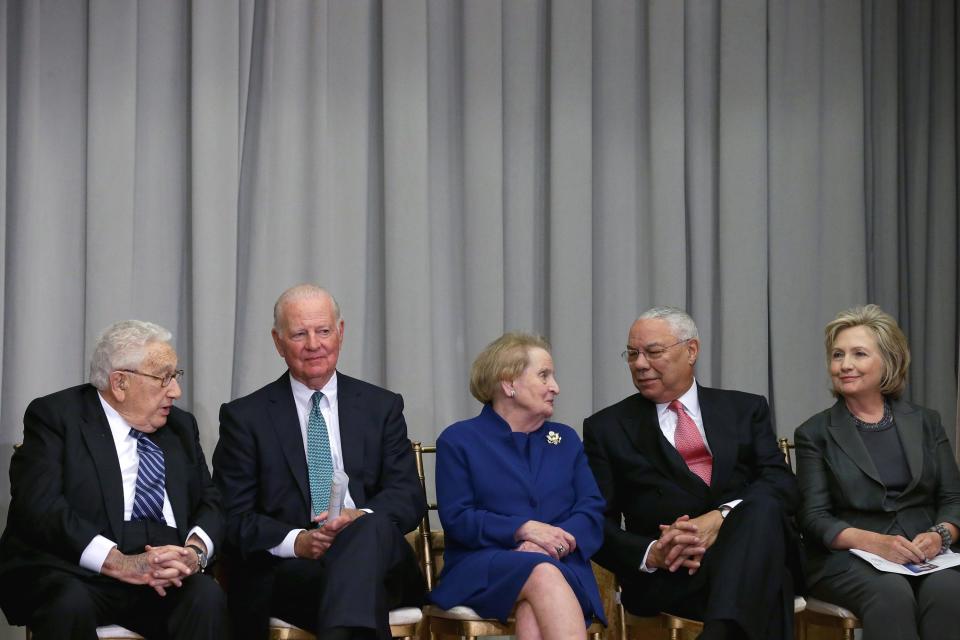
(899, 550)
(313, 543)
(539, 537)
(683, 542)
(158, 567)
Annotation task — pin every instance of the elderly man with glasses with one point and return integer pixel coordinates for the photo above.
(699, 498)
(113, 514)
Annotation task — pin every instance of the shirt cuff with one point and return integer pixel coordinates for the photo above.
(732, 504)
(200, 533)
(95, 554)
(643, 565)
(286, 548)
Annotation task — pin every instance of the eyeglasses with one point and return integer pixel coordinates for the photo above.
(165, 380)
(631, 354)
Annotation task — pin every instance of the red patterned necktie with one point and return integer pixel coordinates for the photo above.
(690, 445)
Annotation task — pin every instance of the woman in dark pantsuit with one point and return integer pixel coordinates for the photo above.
(878, 474)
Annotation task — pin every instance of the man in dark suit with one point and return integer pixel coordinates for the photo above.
(113, 512)
(704, 494)
(279, 448)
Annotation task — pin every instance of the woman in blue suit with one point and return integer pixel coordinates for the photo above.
(520, 509)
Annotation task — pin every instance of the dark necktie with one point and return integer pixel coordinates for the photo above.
(319, 461)
(690, 445)
(151, 479)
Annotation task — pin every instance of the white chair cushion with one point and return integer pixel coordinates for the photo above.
(406, 615)
(116, 631)
(819, 606)
(799, 604)
(282, 624)
(459, 612)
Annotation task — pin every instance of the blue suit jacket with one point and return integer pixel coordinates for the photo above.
(486, 491)
(261, 468)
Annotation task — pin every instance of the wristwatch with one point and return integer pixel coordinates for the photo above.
(945, 538)
(201, 557)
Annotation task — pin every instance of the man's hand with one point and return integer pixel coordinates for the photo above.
(679, 545)
(313, 543)
(158, 567)
(555, 542)
(707, 527)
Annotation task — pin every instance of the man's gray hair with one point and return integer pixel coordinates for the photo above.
(123, 345)
(302, 292)
(683, 326)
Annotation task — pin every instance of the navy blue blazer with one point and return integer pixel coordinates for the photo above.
(646, 482)
(486, 490)
(66, 485)
(261, 468)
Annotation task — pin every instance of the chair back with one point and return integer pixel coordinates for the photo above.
(787, 448)
(429, 545)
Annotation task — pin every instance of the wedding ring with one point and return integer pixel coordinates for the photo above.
(560, 550)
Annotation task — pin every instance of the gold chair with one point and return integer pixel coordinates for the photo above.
(462, 621)
(819, 613)
(674, 627)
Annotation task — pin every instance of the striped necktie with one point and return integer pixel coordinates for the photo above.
(151, 479)
(319, 461)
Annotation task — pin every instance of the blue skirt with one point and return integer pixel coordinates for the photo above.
(507, 572)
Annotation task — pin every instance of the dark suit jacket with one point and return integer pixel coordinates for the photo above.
(66, 485)
(841, 487)
(261, 468)
(646, 482)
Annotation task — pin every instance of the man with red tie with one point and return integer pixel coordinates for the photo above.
(699, 498)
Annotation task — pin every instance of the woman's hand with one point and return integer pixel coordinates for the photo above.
(556, 542)
(898, 549)
(530, 547)
(929, 543)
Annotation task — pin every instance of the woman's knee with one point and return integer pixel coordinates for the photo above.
(545, 577)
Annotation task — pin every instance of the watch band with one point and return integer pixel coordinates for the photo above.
(201, 557)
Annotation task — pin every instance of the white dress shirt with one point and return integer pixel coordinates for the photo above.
(302, 395)
(95, 553)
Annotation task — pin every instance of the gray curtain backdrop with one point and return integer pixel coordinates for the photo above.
(453, 169)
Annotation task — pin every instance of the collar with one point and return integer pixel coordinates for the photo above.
(302, 393)
(119, 427)
(690, 401)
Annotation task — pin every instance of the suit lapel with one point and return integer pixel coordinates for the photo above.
(175, 470)
(910, 427)
(99, 440)
(642, 427)
(350, 416)
(843, 430)
(286, 423)
(716, 424)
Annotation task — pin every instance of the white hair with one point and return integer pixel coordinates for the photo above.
(302, 292)
(683, 326)
(123, 345)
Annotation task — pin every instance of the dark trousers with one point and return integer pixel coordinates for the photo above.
(71, 603)
(368, 570)
(896, 607)
(66, 605)
(744, 577)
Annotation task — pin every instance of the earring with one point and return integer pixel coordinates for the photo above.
(513, 393)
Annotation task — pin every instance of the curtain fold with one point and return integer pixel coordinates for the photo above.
(452, 169)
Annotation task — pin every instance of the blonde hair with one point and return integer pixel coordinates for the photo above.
(892, 343)
(503, 359)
